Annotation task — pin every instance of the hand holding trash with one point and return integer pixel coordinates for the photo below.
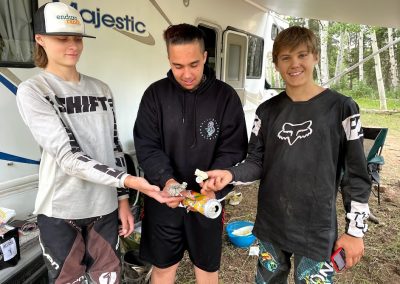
(153, 191)
(217, 180)
(175, 189)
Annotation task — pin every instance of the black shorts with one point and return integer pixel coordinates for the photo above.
(73, 248)
(167, 233)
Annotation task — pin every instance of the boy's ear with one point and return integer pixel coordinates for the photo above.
(205, 57)
(39, 39)
(316, 57)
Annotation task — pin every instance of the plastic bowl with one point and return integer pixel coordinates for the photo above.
(235, 231)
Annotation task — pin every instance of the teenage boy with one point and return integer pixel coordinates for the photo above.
(71, 116)
(301, 143)
(186, 121)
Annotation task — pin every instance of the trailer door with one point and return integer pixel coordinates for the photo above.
(234, 60)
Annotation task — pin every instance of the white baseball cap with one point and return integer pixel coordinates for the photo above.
(56, 18)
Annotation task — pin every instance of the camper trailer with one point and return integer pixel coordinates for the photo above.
(129, 54)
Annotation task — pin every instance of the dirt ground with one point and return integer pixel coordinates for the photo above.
(381, 263)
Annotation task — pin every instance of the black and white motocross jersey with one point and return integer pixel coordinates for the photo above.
(301, 151)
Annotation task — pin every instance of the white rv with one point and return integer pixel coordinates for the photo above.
(129, 54)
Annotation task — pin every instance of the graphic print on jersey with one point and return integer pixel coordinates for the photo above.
(352, 127)
(209, 129)
(292, 132)
(256, 125)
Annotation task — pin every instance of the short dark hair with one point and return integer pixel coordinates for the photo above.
(291, 38)
(184, 33)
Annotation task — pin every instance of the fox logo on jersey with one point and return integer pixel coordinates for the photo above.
(293, 132)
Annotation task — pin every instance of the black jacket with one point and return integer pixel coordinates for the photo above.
(177, 131)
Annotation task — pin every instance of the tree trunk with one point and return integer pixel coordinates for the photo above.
(324, 51)
(277, 79)
(269, 69)
(378, 72)
(393, 63)
(317, 70)
(339, 58)
(306, 24)
(318, 74)
(361, 54)
(349, 59)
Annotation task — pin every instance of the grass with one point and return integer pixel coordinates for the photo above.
(388, 120)
(366, 103)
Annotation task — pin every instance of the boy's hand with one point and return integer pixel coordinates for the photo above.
(176, 200)
(353, 248)
(217, 180)
(153, 191)
(125, 215)
(140, 184)
(210, 194)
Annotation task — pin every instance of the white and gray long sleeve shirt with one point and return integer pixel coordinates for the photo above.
(82, 163)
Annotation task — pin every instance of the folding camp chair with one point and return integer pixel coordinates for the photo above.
(374, 139)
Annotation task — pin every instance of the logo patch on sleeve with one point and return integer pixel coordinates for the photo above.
(352, 127)
(256, 125)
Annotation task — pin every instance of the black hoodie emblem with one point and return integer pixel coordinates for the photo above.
(209, 129)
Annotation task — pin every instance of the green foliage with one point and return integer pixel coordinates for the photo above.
(367, 97)
(351, 55)
(359, 90)
(336, 28)
(393, 93)
(293, 21)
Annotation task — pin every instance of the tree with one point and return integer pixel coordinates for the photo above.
(317, 70)
(392, 61)
(378, 72)
(361, 53)
(324, 25)
(339, 58)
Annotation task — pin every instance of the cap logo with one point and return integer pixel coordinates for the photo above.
(72, 20)
(57, 18)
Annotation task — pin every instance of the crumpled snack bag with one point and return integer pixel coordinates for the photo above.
(5, 215)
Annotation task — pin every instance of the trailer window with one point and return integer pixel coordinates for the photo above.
(274, 31)
(255, 57)
(16, 32)
(210, 44)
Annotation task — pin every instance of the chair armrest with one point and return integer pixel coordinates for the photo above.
(377, 160)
